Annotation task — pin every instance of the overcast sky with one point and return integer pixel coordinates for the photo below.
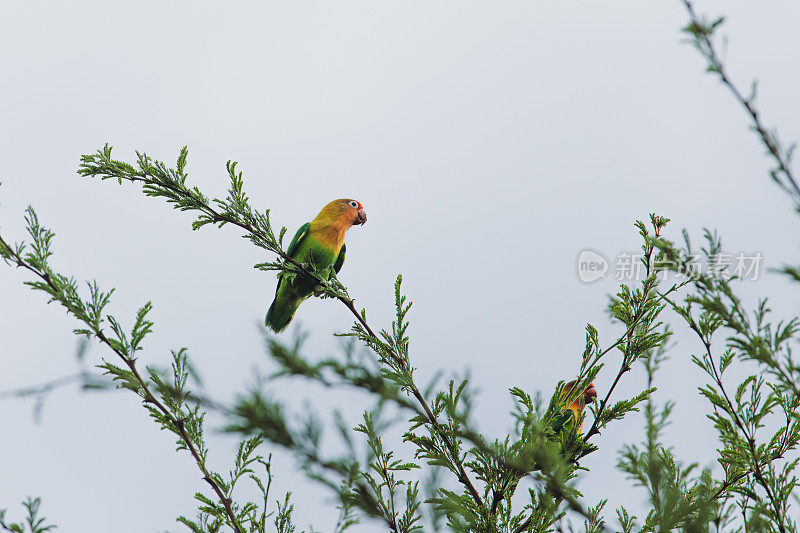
(489, 143)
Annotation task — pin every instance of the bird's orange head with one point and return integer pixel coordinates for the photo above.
(588, 396)
(345, 212)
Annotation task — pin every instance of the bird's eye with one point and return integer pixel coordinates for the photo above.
(354, 204)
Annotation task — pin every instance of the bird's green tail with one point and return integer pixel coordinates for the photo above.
(280, 314)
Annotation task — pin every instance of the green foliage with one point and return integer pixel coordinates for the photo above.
(164, 394)
(757, 419)
(385, 484)
(679, 499)
(33, 522)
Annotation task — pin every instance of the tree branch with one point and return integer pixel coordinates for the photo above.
(701, 32)
(148, 396)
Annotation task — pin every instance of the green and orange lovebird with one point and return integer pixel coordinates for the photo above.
(321, 243)
(575, 409)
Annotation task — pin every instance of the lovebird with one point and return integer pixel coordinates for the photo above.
(320, 242)
(575, 409)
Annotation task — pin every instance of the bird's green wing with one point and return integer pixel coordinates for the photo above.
(561, 420)
(302, 231)
(337, 266)
(284, 305)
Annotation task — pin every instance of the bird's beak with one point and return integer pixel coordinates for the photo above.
(589, 394)
(361, 218)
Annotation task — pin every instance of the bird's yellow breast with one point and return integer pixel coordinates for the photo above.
(331, 236)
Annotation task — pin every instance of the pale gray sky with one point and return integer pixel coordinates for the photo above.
(489, 143)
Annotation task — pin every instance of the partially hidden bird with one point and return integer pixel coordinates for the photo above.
(320, 243)
(575, 409)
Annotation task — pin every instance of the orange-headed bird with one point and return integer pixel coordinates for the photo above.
(320, 242)
(575, 409)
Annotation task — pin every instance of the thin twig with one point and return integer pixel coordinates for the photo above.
(723, 488)
(716, 65)
(47, 387)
